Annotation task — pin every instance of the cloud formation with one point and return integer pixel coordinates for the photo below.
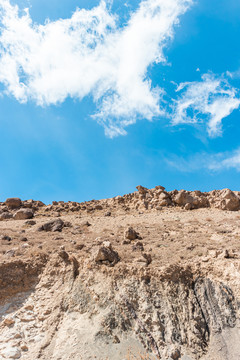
(214, 162)
(210, 100)
(89, 54)
(226, 161)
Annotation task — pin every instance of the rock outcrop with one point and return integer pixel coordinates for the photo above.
(139, 276)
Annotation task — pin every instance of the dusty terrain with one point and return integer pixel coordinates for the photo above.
(150, 275)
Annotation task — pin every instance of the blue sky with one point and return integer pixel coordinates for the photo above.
(98, 97)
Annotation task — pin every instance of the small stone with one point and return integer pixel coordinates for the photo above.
(131, 234)
(24, 239)
(24, 347)
(98, 207)
(64, 255)
(10, 253)
(138, 246)
(108, 213)
(79, 246)
(176, 354)
(126, 242)
(30, 222)
(116, 339)
(6, 238)
(11, 353)
(148, 258)
(8, 321)
(85, 224)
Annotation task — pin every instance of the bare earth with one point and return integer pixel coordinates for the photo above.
(132, 277)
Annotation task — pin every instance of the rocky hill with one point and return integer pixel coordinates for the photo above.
(148, 275)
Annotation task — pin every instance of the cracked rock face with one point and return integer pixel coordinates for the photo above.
(167, 315)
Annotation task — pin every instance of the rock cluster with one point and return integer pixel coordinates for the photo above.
(141, 200)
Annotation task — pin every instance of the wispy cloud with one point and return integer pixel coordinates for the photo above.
(89, 54)
(208, 161)
(229, 160)
(209, 100)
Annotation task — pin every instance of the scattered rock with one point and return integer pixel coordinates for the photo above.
(67, 224)
(98, 207)
(106, 255)
(24, 239)
(23, 214)
(30, 222)
(138, 246)
(24, 347)
(54, 225)
(176, 355)
(63, 254)
(85, 224)
(228, 254)
(6, 216)
(79, 246)
(8, 321)
(188, 206)
(108, 213)
(148, 258)
(6, 238)
(11, 353)
(10, 253)
(131, 234)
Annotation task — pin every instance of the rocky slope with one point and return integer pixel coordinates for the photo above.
(133, 277)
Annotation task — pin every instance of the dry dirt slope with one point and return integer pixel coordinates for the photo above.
(150, 275)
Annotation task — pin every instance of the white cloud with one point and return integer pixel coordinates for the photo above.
(226, 161)
(209, 161)
(89, 54)
(210, 100)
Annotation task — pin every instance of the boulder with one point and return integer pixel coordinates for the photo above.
(164, 199)
(13, 203)
(229, 201)
(54, 225)
(183, 198)
(23, 214)
(142, 190)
